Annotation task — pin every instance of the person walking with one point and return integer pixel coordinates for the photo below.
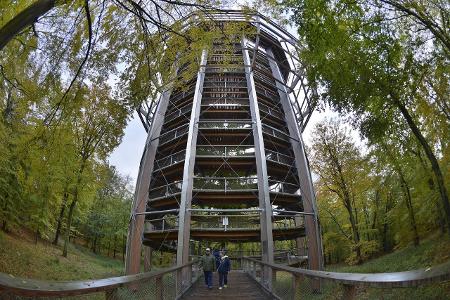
(223, 269)
(216, 254)
(208, 263)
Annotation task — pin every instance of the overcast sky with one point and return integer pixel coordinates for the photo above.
(127, 156)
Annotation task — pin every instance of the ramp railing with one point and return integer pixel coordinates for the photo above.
(284, 282)
(162, 284)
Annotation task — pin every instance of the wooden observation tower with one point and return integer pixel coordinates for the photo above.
(224, 159)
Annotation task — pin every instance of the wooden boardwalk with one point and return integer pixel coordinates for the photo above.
(240, 286)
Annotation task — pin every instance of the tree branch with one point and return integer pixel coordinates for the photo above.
(24, 19)
(49, 118)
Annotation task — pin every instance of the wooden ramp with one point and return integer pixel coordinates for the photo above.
(240, 286)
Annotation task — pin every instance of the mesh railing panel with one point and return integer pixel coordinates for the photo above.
(287, 285)
(93, 296)
(160, 287)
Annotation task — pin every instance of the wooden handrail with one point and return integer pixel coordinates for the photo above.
(412, 278)
(33, 287)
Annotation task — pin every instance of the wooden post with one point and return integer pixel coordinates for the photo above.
(253, 269)
(297, 281)
(148, 251)
(4, 294)
(180, 281)
(159, 288)
(110, 294)
(349, 292)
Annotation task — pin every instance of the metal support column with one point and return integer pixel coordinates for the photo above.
(315, 254)
(261, 166)
(184, 218)
(136, 226)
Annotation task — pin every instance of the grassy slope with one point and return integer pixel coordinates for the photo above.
(432, 251)
(22, 258)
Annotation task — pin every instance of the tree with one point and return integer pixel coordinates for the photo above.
(98, 124)
(369, 63)
(107, 220)
(339, 165)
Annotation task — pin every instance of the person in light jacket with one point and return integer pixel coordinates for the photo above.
(223, 269)
(208, 263)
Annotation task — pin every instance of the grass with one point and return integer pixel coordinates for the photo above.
(21, 257)
(432, 251)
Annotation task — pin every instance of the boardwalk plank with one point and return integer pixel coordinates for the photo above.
(240, 286)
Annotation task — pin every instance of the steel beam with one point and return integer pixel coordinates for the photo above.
(136, 226)
(261, 167)
(315, 254)
(188, 175)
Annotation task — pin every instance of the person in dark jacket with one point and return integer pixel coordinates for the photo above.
(223, 269)
(216, 254)
(208, 263)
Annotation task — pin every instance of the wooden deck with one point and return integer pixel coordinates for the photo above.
(240, 286)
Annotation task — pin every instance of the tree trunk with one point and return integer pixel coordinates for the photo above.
(430, 155)
(375, 213)
(36, 239)
(412, 219)
(386, 247)
(5, 223)
(94, 244)
(61, 215)
(124, 248)
(69, 223)
(430, 181)
(25, 18)
(114, 246)
(72, 205)
(356, 237)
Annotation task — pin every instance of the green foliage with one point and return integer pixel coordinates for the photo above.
(372, 201)
(65, 99)
(107, 221)
(380, 64)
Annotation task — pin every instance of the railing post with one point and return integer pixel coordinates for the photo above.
(274, 275)
(298, 279)
(253, 269)
(159, 288)
(267, 276)
(109, 294)
(179, 281)
(349, 292)
(189, 276)
(5, 295)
